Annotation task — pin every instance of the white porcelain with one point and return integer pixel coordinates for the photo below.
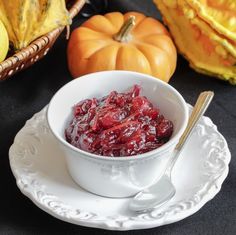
(39, 167)
(109, 176)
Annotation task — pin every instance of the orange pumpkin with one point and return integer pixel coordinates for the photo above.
(122, 42)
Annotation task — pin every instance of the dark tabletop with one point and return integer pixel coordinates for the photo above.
(29, 91)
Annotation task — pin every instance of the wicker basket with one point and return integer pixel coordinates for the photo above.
(36, 50)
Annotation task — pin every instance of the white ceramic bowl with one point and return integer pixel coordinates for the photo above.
(121, 176)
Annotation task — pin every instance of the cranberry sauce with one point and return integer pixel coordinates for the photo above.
(120, 124)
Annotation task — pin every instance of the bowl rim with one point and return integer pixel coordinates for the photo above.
(157, 151)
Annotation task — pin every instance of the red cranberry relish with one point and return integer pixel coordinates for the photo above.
(120, 124)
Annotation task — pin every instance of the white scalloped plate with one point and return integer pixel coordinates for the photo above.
(41, 174)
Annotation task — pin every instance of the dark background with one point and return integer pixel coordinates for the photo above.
(29, 91)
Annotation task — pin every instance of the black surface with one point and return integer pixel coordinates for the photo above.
(29, 91)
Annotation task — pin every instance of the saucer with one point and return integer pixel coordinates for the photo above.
(40, 170)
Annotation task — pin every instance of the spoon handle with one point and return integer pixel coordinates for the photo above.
(202, 103)
(199, 109)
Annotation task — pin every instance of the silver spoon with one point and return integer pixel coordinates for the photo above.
(161, 192)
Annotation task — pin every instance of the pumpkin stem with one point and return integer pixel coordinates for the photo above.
(124, 34)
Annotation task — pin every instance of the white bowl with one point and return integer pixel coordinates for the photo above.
(116, 176)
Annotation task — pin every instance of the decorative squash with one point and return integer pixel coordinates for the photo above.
(205, 33)
(221, 15)
(27, 20)
(4, 42)
(122, 42)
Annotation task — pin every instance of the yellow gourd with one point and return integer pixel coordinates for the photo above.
(4, 43)
(204, 32)
(27, 20)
